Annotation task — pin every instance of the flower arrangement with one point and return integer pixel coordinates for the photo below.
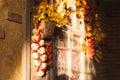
(49, 17)
(47, 12)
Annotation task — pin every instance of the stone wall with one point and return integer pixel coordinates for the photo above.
(10, 39)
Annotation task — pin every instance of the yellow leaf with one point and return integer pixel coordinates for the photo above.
(67, 13)
(88, 26)
(84, 47)
(88, 34)
(84, 2)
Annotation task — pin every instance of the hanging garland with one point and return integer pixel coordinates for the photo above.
(41, 51)
(45, 18)
(94, 33)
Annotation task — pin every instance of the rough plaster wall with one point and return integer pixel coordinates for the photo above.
(11, 45)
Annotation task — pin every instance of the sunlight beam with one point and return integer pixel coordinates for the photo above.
(82, 54)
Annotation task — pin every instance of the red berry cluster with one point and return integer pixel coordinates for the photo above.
(90, 47)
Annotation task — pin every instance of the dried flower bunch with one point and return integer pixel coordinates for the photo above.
(94, 33)
(48, 12)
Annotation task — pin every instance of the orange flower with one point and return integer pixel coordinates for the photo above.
(67, 13)
(88, 34)
(43, 4)
(83, 10)
(84, 2)
(88, 27)
(84, 47)
(77, 11)
(77, 3)
(65, 21)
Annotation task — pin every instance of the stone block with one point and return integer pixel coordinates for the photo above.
(14, 17)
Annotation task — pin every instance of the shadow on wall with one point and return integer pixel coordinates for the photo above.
(62, 77)
(66, 77)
